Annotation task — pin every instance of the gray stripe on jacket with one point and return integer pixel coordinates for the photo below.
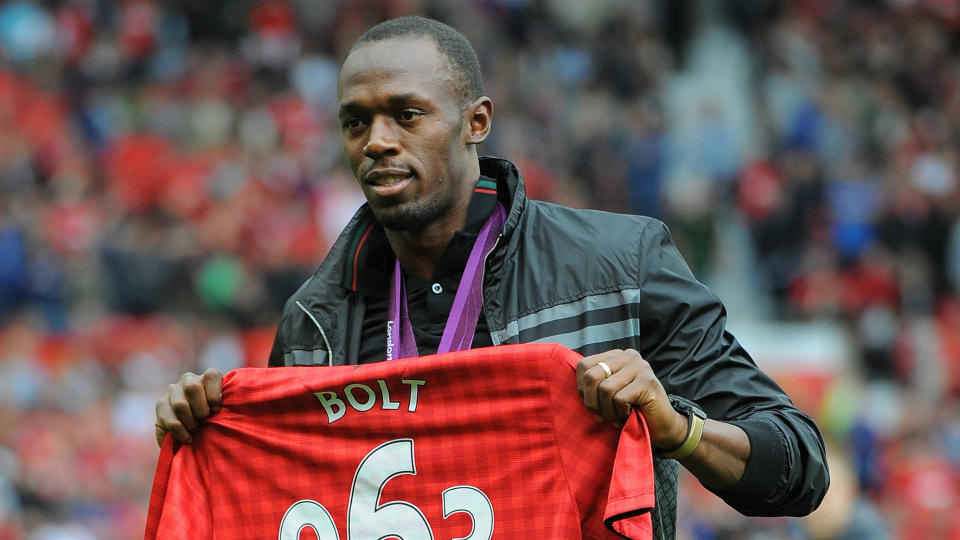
(577, 338)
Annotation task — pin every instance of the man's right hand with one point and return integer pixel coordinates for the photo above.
(187, 402)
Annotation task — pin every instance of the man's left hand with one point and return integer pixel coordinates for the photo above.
(631, 383)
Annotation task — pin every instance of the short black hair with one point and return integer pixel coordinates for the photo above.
(461, 58)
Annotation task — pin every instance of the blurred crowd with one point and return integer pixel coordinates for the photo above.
(170, 171)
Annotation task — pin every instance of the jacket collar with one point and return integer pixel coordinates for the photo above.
(510, 189)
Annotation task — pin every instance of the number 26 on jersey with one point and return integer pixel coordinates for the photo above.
(369, 519)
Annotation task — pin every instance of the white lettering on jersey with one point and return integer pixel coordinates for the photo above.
(361, 398)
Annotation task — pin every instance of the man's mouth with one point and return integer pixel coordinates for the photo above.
(388, 180)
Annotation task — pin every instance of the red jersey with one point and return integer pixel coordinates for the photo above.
(481, 444)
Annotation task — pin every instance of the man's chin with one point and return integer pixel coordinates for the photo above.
(397, 225)
(405, 219)
(398, 220)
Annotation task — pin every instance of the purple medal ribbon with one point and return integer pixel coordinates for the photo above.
(462, 321)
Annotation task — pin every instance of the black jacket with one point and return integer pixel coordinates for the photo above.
(596, 281)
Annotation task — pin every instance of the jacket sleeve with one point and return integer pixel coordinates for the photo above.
(684, 338)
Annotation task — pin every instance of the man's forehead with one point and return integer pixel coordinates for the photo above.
(407, 57)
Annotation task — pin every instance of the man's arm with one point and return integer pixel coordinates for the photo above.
(759, 453)
(723, 450)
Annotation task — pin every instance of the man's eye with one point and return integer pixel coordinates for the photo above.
(352, 123)
(409, 115)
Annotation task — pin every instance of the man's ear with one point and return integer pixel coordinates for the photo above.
(479, 118)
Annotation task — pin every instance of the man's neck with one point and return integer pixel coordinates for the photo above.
(419, 251)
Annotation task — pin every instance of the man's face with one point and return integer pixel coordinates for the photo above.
(403, 131)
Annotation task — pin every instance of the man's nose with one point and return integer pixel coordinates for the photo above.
(382, 139)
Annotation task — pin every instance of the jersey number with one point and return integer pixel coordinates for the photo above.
(368, 519)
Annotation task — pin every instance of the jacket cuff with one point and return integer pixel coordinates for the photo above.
(765, 473)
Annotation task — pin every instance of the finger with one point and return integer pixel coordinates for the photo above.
(167, 422)
(622, 405)
(588, 362)
(586, 383)
(590, 381)
(213, 388)
(160, 432)
(583, 365)
(625, 367)
(180, 405)
(633, 395)
(599, 387)
(615, 359)
(610, 391)
(648, 397)
(196, 394)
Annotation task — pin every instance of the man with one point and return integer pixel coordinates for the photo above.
(611, 287)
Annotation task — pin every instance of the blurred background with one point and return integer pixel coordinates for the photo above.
(170, 171)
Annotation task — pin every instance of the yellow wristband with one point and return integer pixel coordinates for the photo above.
(689, 445)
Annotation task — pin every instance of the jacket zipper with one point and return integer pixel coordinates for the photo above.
(322, 333)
